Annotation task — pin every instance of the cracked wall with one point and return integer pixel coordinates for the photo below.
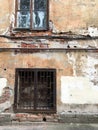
(77, 73)
(77, 16)
(77, 70)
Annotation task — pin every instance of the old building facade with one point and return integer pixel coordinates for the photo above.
(48, 56)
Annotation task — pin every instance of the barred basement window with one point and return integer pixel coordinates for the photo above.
(35, 90)
(32, 14)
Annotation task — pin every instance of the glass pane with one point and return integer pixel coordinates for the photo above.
(23, 19)
(39, 19)
(40, 4)
(24, 4)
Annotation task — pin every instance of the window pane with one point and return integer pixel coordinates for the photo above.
(23, 19)
(24, 4)
(40, 4)
(39, 19)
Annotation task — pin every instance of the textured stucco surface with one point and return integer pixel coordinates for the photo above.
(70, 15)
(76, 74)
(77, 70)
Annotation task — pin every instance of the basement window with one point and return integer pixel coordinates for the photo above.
(32, 14)
(35, 90)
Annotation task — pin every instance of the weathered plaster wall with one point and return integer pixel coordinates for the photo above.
(77, 71)
(7, 8)
(3, 83)
(71, 15)
(5, 95)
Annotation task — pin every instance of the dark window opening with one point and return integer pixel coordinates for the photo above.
(35, 90)
(32, 14)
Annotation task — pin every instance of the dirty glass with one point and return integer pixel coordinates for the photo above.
(40, 4)
(24, 4)
(23, 18)
(39, 19)
(39, 14)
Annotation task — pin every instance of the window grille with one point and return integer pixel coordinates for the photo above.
(35, 90)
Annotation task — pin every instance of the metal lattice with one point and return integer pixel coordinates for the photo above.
(35, 90)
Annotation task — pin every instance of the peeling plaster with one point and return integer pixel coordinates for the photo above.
(73, 20)
(88, 68)
(4, 106)
(3, 84)
(93, 31)
(72, 61)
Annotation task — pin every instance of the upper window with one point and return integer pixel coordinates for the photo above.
(32, 14)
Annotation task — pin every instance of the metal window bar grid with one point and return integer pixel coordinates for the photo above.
(35, 90)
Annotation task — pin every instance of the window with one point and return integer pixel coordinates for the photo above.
(32, 14)
(35, 90)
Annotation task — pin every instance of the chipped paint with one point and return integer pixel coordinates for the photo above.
(72, 60)
(73, 16)
(3, 84)
(5, 106)
(89, 69)
(74, 27)
(93, 31)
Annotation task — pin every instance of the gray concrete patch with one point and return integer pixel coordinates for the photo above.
(51, 126)
(5, 119)
(78, 118)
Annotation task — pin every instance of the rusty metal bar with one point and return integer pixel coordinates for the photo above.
(66, 37)
(44, 90)
(30, 50)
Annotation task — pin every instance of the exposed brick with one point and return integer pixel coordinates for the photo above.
(27, 117)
